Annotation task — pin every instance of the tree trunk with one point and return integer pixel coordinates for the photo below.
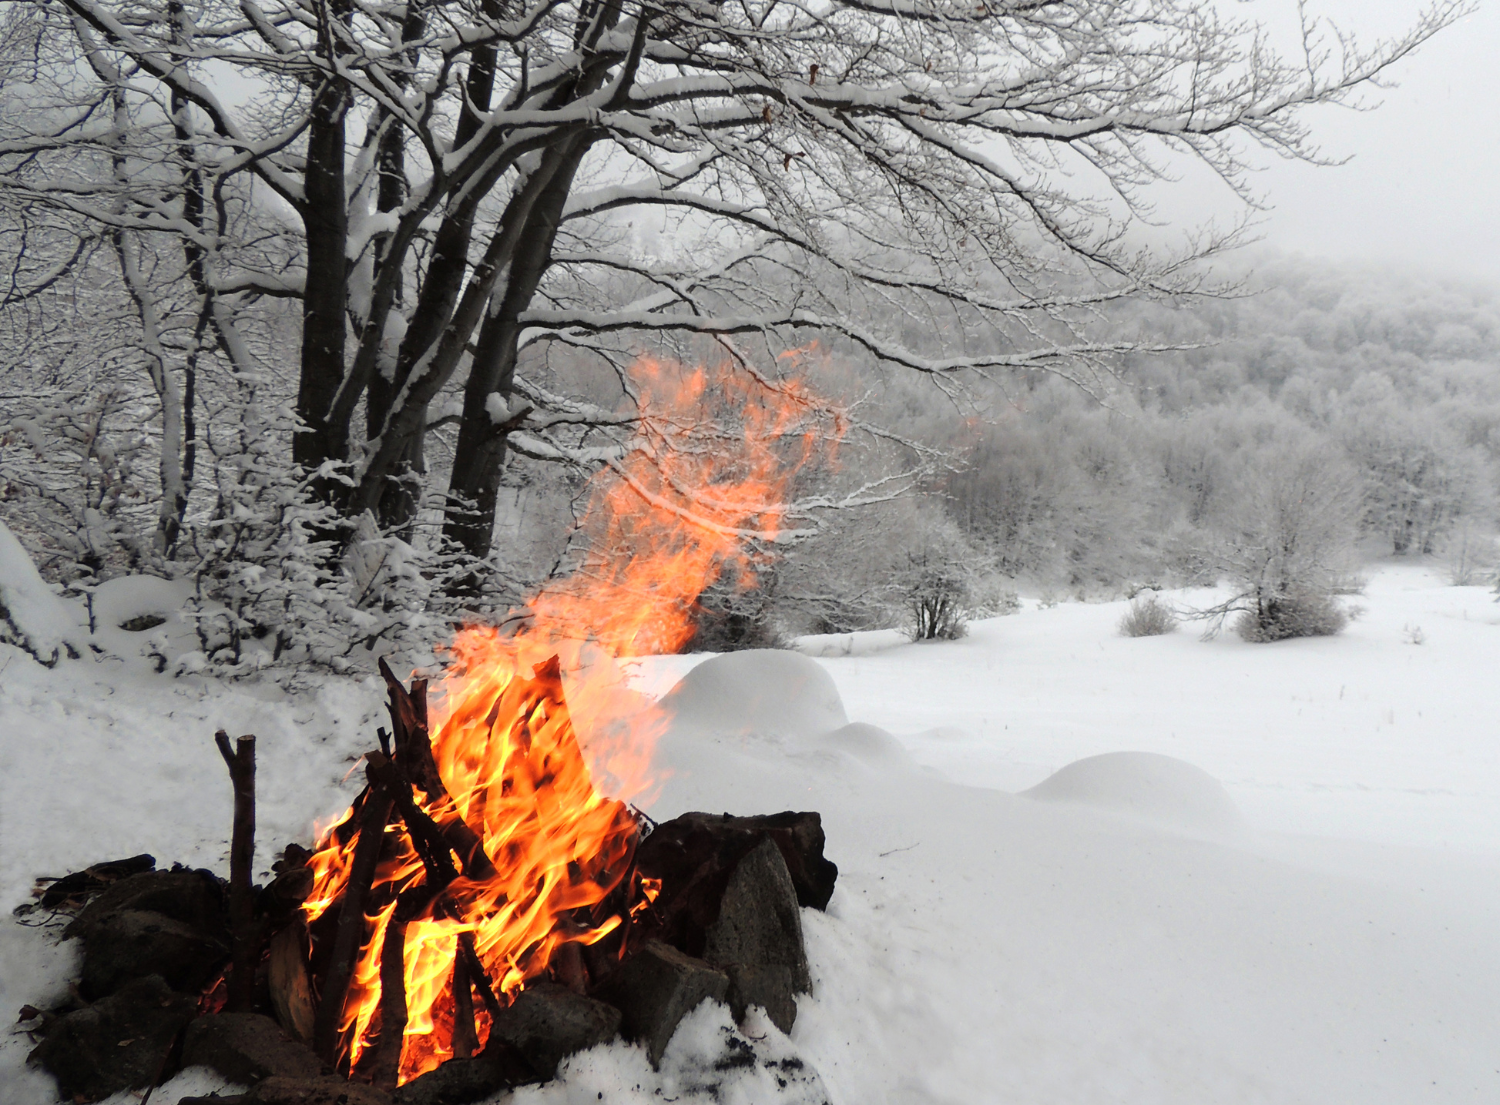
(433, 370)
(325, 218)
(475, 482)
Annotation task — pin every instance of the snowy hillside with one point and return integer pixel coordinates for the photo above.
(1299, 905)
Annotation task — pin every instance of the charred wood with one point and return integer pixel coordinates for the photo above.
(244, 932)
(352, 922)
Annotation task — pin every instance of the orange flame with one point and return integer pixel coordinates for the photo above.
(706, 480)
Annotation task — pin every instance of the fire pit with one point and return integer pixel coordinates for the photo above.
(483, 910)
(479, 913)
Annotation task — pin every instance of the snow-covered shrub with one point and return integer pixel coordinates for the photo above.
(31, 616)
(1471, 554)
(993, 596)
(1287, 544)
(1148, 617)
(72, 483)
(936, 583)
(732, 615)
(1282, 615)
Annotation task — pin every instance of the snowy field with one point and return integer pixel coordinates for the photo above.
(1307, 913)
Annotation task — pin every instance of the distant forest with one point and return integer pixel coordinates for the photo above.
(1367, 400)
(1387, 386)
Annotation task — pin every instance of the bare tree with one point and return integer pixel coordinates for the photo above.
(942, 185)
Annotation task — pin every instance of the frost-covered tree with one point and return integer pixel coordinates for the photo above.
(441, 185)
(1286, 542)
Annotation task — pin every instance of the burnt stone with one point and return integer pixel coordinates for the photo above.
(119, 1043)
(130, 944)
(248, 1048)
(71, 890)
(699, 844)
(461, 1081)
(281, 1090)
(281, 898)
(770, 986)
(194, 898)
(757, 938)
(547, 1023)
(656, 988)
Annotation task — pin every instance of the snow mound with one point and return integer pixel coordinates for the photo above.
(31, 616)
(140, 618)
(710, 1061)
(867, 743)
(1158, 788)
(124, 600)
(764, 691)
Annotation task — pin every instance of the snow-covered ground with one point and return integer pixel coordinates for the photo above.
(1309, 916)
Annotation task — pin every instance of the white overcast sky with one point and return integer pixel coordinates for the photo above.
(1423, 181)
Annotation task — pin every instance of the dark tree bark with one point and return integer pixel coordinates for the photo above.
(475, 483)
(243, 930)
(325, 219)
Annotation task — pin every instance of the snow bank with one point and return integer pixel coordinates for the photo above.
(31, 616)
(762, 692)
(1147, 785)
(980, 946)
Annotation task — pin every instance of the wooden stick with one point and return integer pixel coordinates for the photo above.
(351, 927)
(477, 976)
(432, 847)
(385, 1068)
(465, 1037)
(413, 755)
(242, 927)
(413, 751)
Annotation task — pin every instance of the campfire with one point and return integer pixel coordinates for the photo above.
(490, 902)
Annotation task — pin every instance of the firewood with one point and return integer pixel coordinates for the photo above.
(351, 925)
(244, 932)
(291, 989)
(465, 1037)
(427, 836)
(413, 755)
(480, 980)
(385, 1067)
(413, 745)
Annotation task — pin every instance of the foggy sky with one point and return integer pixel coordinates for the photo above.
(1421, 188)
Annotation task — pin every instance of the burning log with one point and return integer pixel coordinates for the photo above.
(413, 752)
(243, 931)
(465, 1037)
(351, 925)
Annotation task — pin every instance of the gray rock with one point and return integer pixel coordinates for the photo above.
(547, 1023)
(131, 944)
(280, 1090)
(195, 898)
(757, 938)
(656, 988)
(461, 1081)
(116, 1044)
(768, 985)
(248, 1048)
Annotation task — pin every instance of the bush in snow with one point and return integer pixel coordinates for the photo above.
(732, 615)
(1278, 616)
(1287, 546)
(1470, 554)
(1148, 617)
(937, 583)
(31, 616)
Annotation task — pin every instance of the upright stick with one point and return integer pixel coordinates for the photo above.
(242, 927)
